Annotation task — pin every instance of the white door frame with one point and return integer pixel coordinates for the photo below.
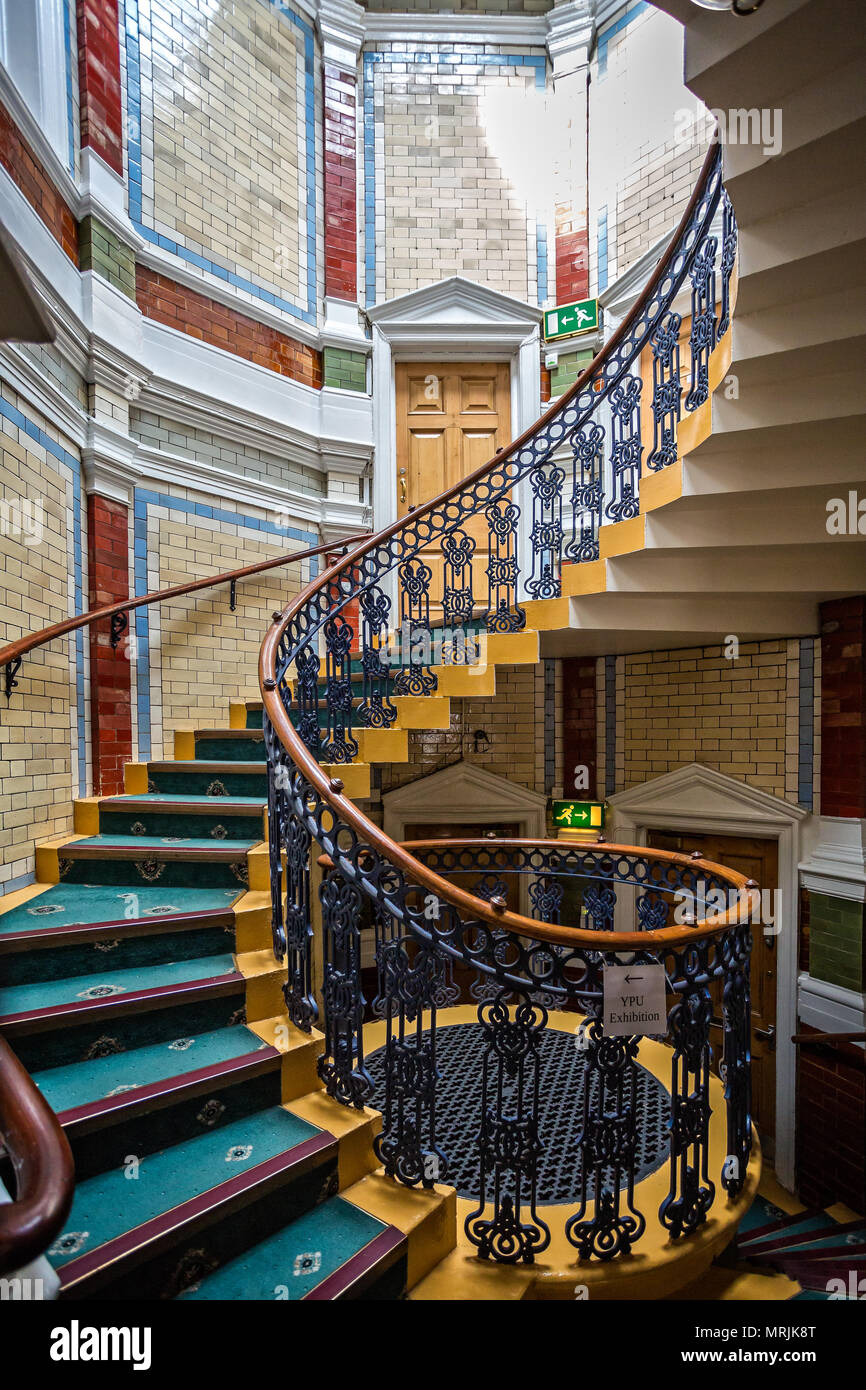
(456, 320)
(700, 799)
(470, 793)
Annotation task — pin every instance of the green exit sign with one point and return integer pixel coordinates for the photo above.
(578, 815)
(569, 319)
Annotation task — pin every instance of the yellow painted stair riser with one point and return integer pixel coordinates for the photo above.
(300, 1052)
(264, 979)
(426, 1216)
(353, 1129)
(382, 745)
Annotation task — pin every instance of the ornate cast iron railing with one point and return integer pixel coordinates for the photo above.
(318, 691)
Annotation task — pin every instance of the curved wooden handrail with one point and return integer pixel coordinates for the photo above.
(11, 655)
(331, 788)
(42, 1161)
(561, 934)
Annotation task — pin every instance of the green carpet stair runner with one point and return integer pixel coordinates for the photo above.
(121, 992)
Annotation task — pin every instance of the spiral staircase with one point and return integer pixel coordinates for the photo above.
(189, 997)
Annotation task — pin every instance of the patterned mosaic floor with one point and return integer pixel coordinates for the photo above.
(460, 1053)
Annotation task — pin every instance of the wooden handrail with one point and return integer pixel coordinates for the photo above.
(10, 656)
(331, 788)
(42, 1161)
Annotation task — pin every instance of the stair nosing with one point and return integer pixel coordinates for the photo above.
(38, 936)
(97, 1114)
(193, 1212)
(112, 1006)
(360, 1266)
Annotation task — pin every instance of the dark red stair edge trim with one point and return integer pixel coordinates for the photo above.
(779, 1226)
(120, 1246)
(143, 1095)
(169, 853)
(815, 1276)
(388, 1242)
(214, 917)
(214, 804)
(112, 1005)
(805, 1238)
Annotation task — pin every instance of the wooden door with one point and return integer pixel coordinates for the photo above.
(757, 859)
(451, 418)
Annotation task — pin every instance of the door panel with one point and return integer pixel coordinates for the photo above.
(756, 859)
(451, 418)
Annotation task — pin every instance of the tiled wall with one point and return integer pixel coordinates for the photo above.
(224, 158)
(220, 451)
(831, 1106)
(163, 299)
(99, 79)
(513, 720)
(193, 655)
(28, 172)
(641, 172)
(747, 717)
(42, 579)
(439, 196)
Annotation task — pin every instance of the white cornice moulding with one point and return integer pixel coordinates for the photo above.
(115, 464)
(341, 29)
(25, 377)
(173, 268)
(570, 33)
(453, 28)
(31, 130)
(342, 327)
(44, 257)
(830, 1008)
(836, 863)
(103, 196)
(208, 388)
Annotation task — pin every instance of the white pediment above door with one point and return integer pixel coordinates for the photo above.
(706, 797)
(464, 792)
(457, 314)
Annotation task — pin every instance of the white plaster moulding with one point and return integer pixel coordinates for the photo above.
(208, 388)
(508, 29)
(830, 1008)
(213, 288)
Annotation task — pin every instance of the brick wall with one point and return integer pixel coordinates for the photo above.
(579, 722)
(110, 708)
(201, 655)
(831, 1126)
(29, 174)
(99, 80)
(513, 720)
(168, 302)
(695, 705)
(38, 729)
(843, 707)
(341, 247)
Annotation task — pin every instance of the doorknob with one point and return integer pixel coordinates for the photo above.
(402, 484)
(767, 1034)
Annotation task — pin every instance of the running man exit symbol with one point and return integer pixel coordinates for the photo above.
(578, 815)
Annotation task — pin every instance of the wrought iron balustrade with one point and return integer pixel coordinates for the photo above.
(577, 469)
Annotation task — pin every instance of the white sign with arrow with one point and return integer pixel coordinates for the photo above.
(634, 1001)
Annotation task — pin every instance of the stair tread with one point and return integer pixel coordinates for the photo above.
(89, 904)
(133, 842)
(46, 994)
(110, 1204)
(296, 1259)
(196, 799)
(81, 1083)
